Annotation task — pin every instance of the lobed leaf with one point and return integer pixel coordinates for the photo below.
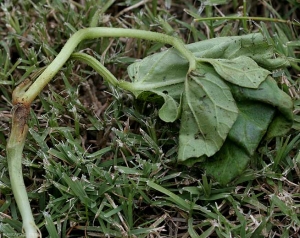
(226, 107)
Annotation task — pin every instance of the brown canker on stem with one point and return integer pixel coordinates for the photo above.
(19, 127)
(20, 115)
(21, 110)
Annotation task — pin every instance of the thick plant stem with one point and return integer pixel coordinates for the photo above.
(24, 95)
(14, 148)
(97, 32)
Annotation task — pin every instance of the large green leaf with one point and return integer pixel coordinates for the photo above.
(208, 109)
(225, 106)
(208, 113)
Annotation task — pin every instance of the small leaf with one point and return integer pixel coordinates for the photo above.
(208, 113)
(161, 72)
(208, 100)
(242, 71)
(269, 93)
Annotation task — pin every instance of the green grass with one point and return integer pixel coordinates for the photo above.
(98, 163)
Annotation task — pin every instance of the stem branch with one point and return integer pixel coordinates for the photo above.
(96, 32)
(96, 65)
(104, 72)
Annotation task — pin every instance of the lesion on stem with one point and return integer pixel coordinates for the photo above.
(26, 92)
(14, 148)
(20, 117)
(20, 111)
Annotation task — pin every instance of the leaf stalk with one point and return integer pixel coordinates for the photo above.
(97, 32)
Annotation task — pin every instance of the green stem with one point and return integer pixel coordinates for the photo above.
(109, 77)
(104, 72)
(249, 18)
(96, 65)
(14, 148)
(96, 32)
(245, 26)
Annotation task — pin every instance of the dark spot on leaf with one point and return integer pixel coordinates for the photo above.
(197, 135)
(164, 78)
(165, 92)
(202, 98)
